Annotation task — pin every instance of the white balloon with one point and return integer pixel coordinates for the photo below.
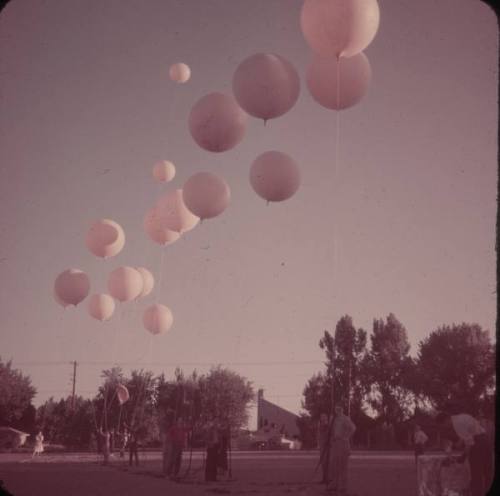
(180, 72)
(148, 280)
(164, 171)
(174, 214)
(125, 283)
(157, 319)
(105, 238)
(157, 230)
(101, 306)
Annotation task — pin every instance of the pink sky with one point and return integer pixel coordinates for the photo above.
(412, 208)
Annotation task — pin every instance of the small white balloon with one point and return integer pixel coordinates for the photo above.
(164, 171)
(105, 238)
(148, 280)
(174, 214)
(125, 284)
(157, 319)
(180, 72)
(101, 307)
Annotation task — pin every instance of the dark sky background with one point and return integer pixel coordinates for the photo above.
(406, 224)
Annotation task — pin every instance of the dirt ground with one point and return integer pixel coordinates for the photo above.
(259, 474)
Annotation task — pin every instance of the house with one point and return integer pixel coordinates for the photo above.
(12, 438)
(272, 418)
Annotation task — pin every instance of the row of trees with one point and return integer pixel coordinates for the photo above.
(380, 382)
(220, 394)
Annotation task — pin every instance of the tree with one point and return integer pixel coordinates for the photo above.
(225, 395)
(456, 366)
(387, 369)
(16, 394)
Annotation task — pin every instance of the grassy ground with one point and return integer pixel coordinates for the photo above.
(254, 474)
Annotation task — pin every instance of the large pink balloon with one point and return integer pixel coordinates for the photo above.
(148, 281)
(266, 85)
(274, 176)
(105, 238)
(125, 283)
(122, 394)
(157, 319)
(206, 195)
(339, 28)
(353, 74)
(157, 230)
(101, 306)
(217, 123)
(71, 287)
(174, 214)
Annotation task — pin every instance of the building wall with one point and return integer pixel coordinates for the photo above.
(271, 416)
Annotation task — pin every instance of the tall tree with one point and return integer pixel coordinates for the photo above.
(16, 394)
(387, 370)
(456, 366)
(225, 395)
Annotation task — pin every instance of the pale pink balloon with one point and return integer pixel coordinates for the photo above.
(164, 171)
(122, 394)
(174, 214)
(125, 284)
(339, 28)
(180, 72)
(157, 230)
(217, 123)
(206, 195)
(148, 281)
(71, 287)
(157, 319)
(274, 176)
(105, 238)
(266, 85)
(353, 75)
(101, 306)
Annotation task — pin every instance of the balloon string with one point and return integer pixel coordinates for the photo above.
(115, 335)
(158, 293)
(336, 171)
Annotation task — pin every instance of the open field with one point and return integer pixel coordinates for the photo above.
(257, 473)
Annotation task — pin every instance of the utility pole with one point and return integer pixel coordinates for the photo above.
(74, 385)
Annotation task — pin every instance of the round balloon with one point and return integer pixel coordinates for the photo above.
(353, 75)
(125, 283)
(71, 287)
(101, 306)
(174, 214)
(217, 123)
(122, 394)
(148, 281)
(156, 229)
(105, 238)
(164, 171)
(274, 176)
(206, 195)
(157, 319)
(339, 28)
(180, 73)
(266, 85)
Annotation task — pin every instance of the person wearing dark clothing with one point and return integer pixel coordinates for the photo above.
(222, 459)
(213, 446)
(323, 444)
(477, 448)
(176, 436)
(133, 446)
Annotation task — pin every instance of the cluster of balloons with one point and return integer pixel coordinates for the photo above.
(337, 31)
(105, 239)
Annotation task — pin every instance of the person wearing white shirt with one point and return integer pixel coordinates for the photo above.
(477, 448)
(341, 433)
(419, 440)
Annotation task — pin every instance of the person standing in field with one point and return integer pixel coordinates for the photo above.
(213, 445)
(477, 447)
(324, 447)
(133, 446)
(176, 436)
(419, 440)
(38, 450)
(340, 449)
(105, 441)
